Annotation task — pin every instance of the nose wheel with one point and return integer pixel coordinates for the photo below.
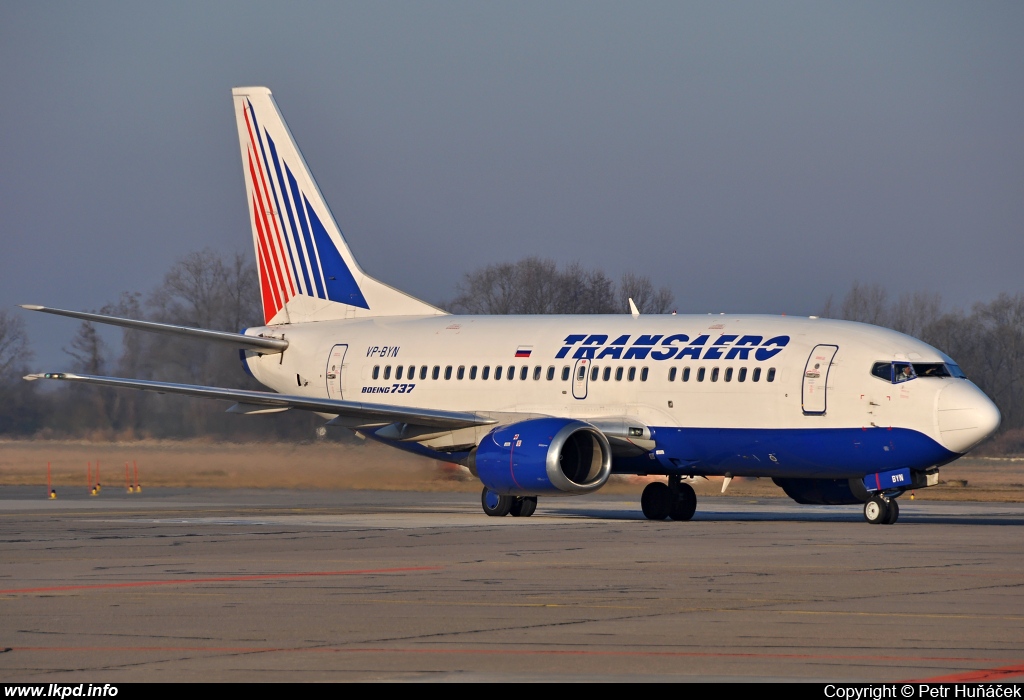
(880, 510)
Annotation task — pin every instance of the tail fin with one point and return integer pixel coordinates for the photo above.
(307, 272)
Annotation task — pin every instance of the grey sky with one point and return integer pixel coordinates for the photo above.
(755, 157)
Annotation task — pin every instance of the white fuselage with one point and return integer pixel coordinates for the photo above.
(711, 352)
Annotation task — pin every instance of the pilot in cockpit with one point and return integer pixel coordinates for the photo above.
(904, 373)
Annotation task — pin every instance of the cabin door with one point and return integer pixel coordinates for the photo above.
(816, 379)
(579, 379)
(335, 363)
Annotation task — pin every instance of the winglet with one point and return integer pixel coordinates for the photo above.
(632, 308)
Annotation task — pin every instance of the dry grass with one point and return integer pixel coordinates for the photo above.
(368, 465)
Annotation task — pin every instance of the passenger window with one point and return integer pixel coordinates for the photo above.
(742, 376)
(376, 371)
(672, 374)
(412, 372)
(536, 373)
(686, 374)
(631, 374)
(757, 374)
(728, 374)
(497, 371)
(524, 372)
(618, 374)
(607, 373)
(461, 372)
(387, 372)
(436, 373)
(551, 373)
(472, 372)
(700, 374)
(565, 373)
(714, 374)
(512, 372)
(643, 374)
(398, 372)
(771, 375)
(593, 373)
(582, 373)
(486, 373)
(448, 372)
(423, 372)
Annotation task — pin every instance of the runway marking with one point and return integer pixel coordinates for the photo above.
(746, 611)
(979, 676)
(217, 579)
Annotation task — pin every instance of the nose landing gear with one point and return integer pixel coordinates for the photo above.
(881, 510)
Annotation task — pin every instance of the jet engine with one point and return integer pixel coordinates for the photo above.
(824, 492)
(543, 456)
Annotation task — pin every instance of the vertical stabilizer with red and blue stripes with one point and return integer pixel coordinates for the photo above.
(307, 272)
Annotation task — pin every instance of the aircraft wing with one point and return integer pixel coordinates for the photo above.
(267, 346)
(267, 401)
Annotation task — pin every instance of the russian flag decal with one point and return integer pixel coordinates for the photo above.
(524, 351)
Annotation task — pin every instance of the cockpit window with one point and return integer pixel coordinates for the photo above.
(902, 372)
(899, 372)
(882, 370)
(938, 369)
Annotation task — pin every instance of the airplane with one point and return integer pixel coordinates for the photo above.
(834, 412)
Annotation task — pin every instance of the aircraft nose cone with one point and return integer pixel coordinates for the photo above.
(966, 416)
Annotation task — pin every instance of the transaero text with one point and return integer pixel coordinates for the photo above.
(678, 346)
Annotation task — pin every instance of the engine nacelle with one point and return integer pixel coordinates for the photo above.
(543, 456)
(824, 492)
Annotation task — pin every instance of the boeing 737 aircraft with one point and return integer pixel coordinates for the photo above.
(833, 411)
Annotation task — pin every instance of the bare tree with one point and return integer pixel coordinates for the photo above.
(536, 286)
(530, 286)
(914, 312)
(867, 303)
(19, 410)
(640, 289)
(14, 349)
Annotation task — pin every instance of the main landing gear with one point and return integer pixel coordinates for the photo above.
(674, 500)
(499, 506)
(881, 510)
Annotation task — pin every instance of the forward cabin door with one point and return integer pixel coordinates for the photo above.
(580, 374)
(816, 379)
(335, 363)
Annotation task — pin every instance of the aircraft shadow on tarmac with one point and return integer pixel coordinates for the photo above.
(850, 514)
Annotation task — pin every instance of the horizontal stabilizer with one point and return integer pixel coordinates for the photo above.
(268, 346)
(368, 411)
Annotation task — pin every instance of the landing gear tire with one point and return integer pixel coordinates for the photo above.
(894, 512)
(656, 501)
(876, 510)
(685, 505)
(495, 505)
(523, 506)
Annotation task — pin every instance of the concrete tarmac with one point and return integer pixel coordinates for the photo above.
(263, 586)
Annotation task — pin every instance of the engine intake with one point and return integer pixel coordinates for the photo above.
(544, 456)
